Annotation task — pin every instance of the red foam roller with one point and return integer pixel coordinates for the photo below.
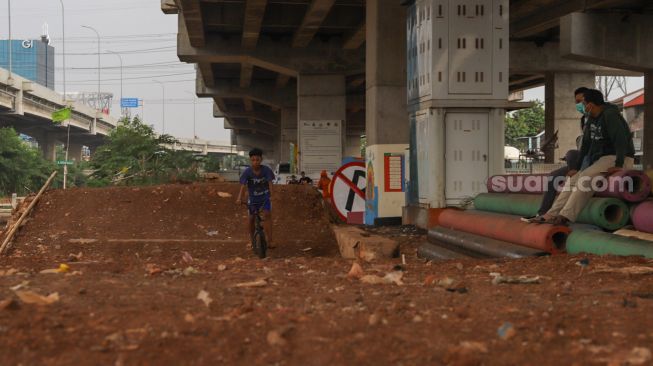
(548, 238)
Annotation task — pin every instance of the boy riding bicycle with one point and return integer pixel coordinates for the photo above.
(257, 179)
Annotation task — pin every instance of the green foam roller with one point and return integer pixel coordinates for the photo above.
(605, 212)
(602, 243)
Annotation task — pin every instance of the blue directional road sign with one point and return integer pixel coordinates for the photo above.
(129, 103)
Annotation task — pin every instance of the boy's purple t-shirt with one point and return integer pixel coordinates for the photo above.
(258, 186)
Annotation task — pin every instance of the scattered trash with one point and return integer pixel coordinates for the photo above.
(9, 272)
(417, 319)
(276, 339)
(498, 278)
(389, 278)
(583, 262)
(212, 233)
(19, 286)
(307, 249)
(186, 257)
(356, 271)
(373, 319)
(222, 267)
(75, 257)
(428, 281)
(506, 331)
(636, 356)
(452, 285)
(189, 318)
(224, 195)
(204, 296)
(30, 297)
(190, 271)
(152, 269)
(634, 270)
(63, 268)
(258, 283)
(403, 259)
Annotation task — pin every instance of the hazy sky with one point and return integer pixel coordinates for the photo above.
(146, 40)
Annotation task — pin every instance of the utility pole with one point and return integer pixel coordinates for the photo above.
(163, 104)
(120, 57)
(97, 101)
(63, 35)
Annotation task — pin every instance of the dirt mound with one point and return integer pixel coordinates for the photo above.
(190, 216)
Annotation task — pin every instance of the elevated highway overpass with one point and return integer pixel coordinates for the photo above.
(27, 107)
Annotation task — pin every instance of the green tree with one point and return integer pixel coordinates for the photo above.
(524, 123)
(22, 168)
(134, 154)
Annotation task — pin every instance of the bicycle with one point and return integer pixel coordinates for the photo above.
(259, 243)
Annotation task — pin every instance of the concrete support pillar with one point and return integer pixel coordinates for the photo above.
(561, 114)
(386, 121)
(288, 132)
(75, 151)
(321, 112)
(48, 144)
(647, 139)
(353, 145)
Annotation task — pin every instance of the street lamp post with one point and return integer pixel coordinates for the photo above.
(63, 35)
(120, 57)
(97, 101)
(10, 65)
(163, 104)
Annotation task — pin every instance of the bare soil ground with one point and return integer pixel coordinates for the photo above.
(163, 276)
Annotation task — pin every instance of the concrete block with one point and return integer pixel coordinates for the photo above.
(355, 243)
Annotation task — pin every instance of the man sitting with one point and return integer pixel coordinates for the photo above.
(608, 146)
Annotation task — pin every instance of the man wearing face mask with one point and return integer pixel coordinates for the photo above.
(607, 146)
(572, 158)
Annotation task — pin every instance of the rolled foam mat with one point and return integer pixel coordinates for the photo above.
(607, 213)
(602, 243)
(479, 246)
(635, 234)
(536, 183)
(547, 238)
(643, 217)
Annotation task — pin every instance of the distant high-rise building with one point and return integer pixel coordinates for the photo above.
(32, 59)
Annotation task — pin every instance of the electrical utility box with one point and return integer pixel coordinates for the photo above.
(457, 94)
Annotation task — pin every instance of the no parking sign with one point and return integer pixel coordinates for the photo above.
(348, 189)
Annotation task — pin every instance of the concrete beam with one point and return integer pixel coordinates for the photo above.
(254, 12)
(206, 73)
(265, 117)
(317, 12)
(322, 58)
(532, 17)
(527, 58)
(611, 40)
(191, 15)
(356, 38)
(261, 93)
(246, 71)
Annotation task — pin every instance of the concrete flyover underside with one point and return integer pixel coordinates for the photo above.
(251, 54)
